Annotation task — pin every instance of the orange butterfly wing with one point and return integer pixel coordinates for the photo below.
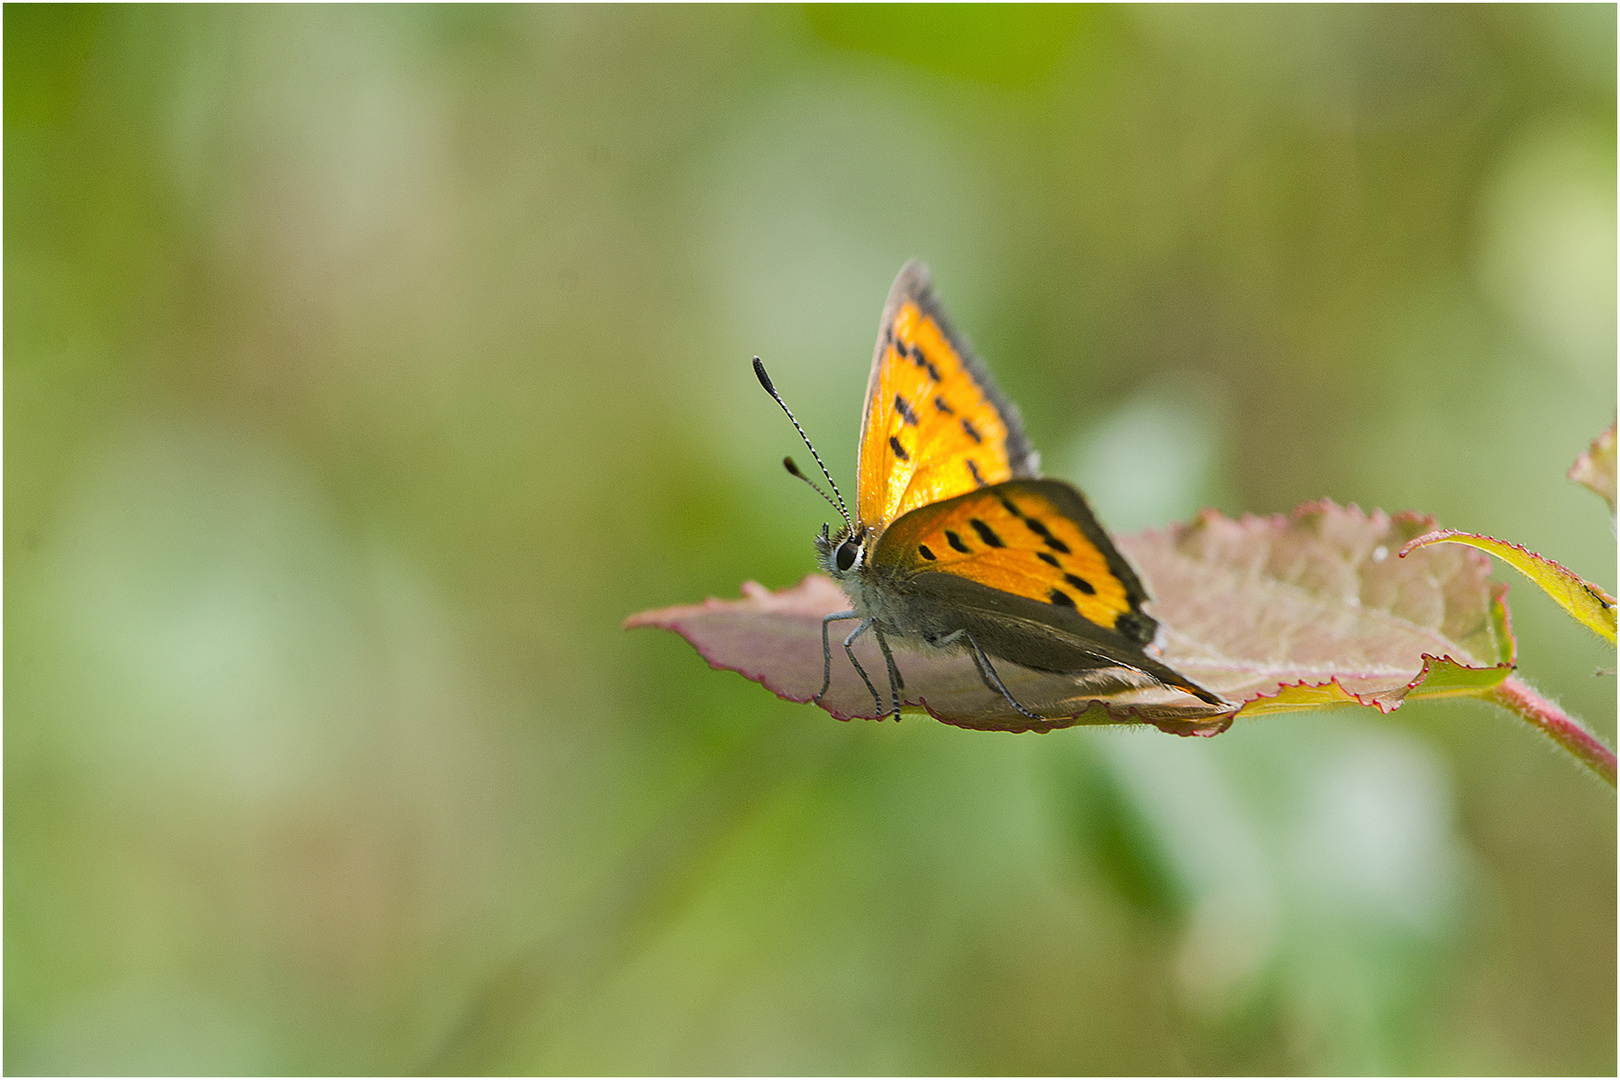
(936, 425)
(1034, 539)
(1024, 568)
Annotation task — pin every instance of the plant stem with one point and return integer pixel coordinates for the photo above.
(1516, 696)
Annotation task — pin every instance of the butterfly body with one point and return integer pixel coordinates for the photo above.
(957, 544)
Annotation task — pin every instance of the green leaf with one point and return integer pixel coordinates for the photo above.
(1588, 603)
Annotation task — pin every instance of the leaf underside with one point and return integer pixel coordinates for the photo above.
(1281, 613)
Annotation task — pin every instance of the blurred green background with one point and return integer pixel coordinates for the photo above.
(365, 367)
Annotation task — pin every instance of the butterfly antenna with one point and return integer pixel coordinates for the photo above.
(793, 470)
(765, 381)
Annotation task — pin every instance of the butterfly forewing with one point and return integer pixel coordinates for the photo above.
(935, 426)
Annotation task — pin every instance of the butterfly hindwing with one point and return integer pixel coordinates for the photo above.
(1025, 569)
(935, 425)
(1034, 539)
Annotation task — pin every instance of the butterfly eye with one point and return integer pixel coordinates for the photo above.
(848, 552)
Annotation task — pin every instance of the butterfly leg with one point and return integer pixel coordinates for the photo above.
(877, 702)
(987, 671)
(826, 649)
(896, 683)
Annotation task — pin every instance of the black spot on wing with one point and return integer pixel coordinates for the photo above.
(939, 403)
(1078, 582)
(922, 549)
(972, 432)
(956, 542)
(973, 467)
(1060, 598)
(903, 407)
(899, 451)
(1038, 527)
(1048, 558)
(923, 362)
(986, 533)
(1007, 505)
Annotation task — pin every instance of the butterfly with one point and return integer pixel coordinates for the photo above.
(958, 545)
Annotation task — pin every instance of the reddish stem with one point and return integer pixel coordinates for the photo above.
(1517, 697)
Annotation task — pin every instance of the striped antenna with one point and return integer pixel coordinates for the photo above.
(765, 381)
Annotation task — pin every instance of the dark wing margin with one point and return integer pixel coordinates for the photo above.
(915, 284)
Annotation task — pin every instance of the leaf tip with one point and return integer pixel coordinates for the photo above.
(1434, 536)
(1594, 469)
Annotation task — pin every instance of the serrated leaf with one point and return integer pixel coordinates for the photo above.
(1313, 610)
(1588, 603)
(1275, 614)
(1594, 469)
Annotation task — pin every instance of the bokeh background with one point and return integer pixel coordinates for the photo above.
(365, 367)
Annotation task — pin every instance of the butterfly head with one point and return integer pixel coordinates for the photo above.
(842, 553)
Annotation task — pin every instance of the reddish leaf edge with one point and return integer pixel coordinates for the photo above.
(1440, 536)
(1388, 701)
(1596, 611)
(1592, 472)
(1324, 505)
